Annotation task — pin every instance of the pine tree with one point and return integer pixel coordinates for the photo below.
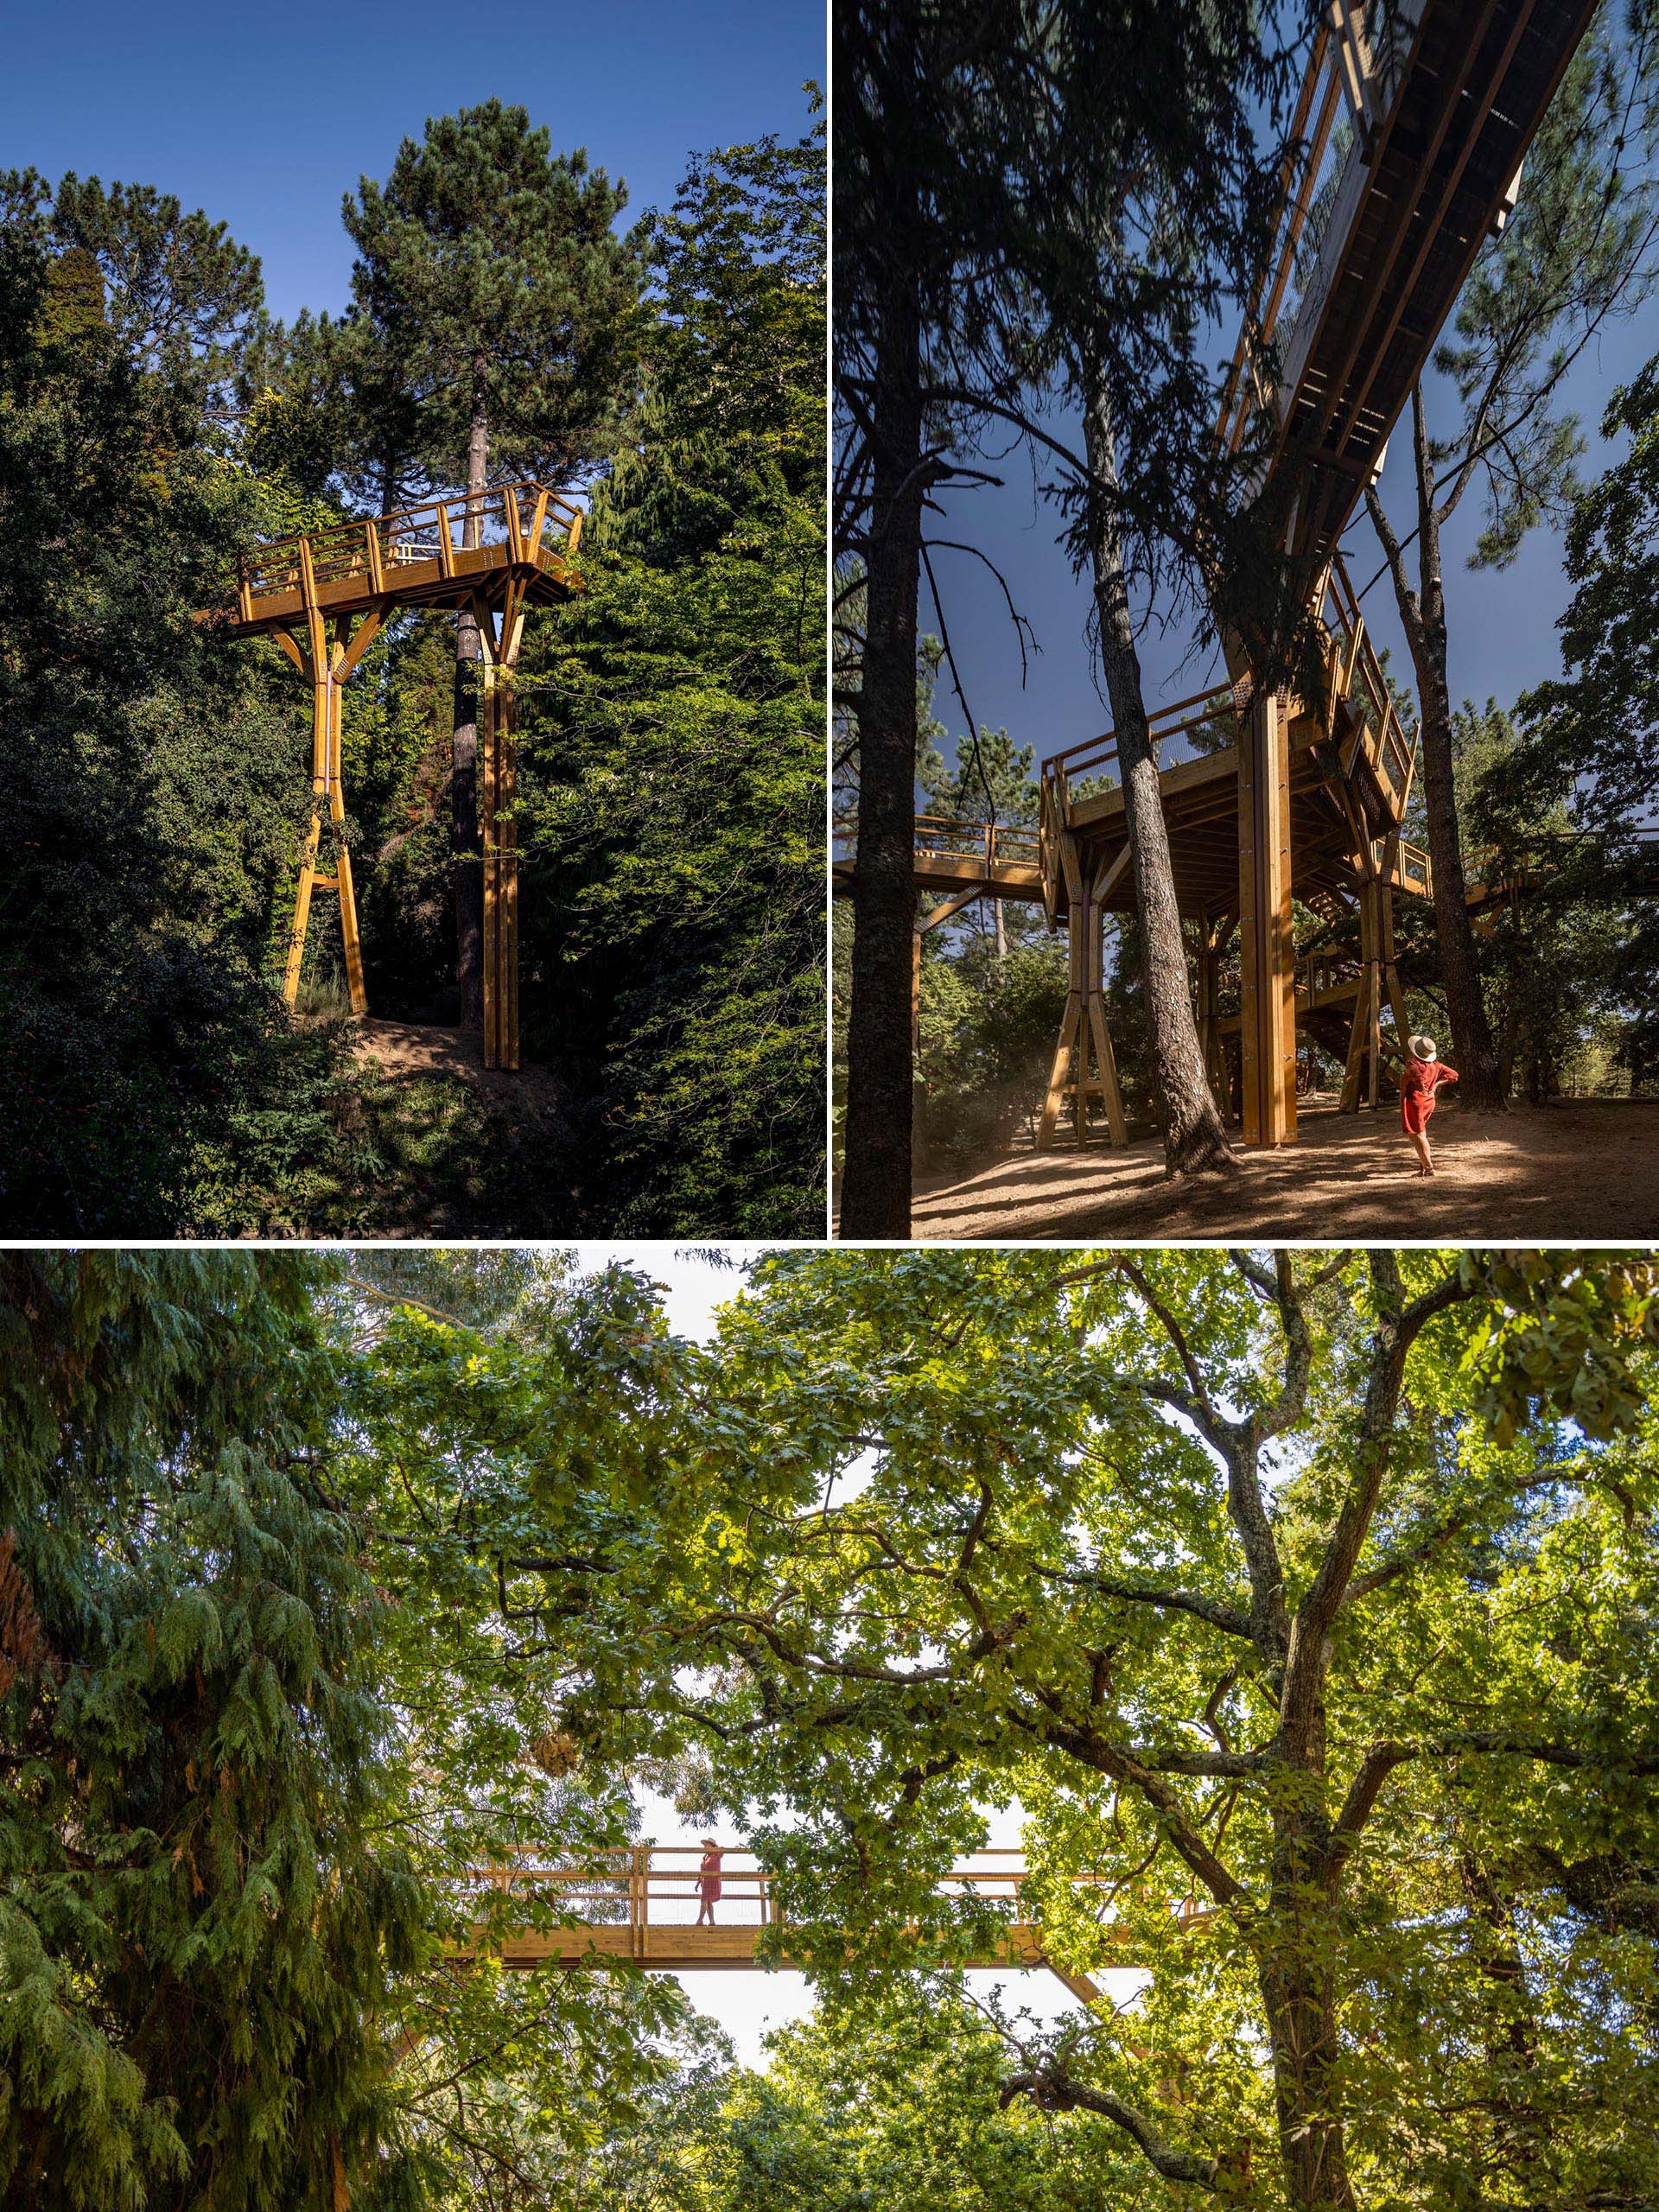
(184, 297)
(674, 792)
(492, 277)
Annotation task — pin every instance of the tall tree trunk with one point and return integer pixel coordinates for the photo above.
(1423, 613)
(876, 1186)
(1195, 1142)
(1302, 2035)
(466, 832)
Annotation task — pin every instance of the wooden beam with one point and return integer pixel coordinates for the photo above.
(1267, 983)
(367, 630)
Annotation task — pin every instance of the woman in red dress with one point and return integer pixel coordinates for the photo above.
(1424, 1071)
(708, 1882)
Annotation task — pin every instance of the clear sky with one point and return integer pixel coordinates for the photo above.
(747, 2005)
(265, 116)
(1501, 626)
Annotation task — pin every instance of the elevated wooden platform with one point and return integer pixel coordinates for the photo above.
(1410, 130)
(641, 1905)
(1413, 151)
(517, 539)
(324, 595)
(690, 1950)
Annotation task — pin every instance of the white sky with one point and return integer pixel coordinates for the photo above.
(747, 2005)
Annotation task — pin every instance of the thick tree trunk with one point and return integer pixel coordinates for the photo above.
(1302, 2034)
(875, 1185)
(1473, 1053)
(1195, 1142)
(466, 832)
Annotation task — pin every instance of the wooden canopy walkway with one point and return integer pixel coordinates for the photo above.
(1414, 121)
(324, 595)
(1412, 126)
(642, 1905)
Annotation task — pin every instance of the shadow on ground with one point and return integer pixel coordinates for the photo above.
(1577, 1171)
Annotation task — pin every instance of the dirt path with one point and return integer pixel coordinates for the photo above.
(1579, 1172)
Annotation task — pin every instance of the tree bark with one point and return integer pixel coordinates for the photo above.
(876, 1182)
(1195, 1142)
(465, 831)
(1422, 612)
(1302, 2033)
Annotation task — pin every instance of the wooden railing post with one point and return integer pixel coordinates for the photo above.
(639, 1898)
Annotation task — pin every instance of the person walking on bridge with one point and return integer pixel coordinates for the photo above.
(709, 1881)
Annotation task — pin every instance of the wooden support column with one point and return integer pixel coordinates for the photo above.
(498, 782)
(328, 664)
(1084, 1063)
(347, 895)
(1267, 995)
(1388, 965)
(320, 687)
(1364, 1039)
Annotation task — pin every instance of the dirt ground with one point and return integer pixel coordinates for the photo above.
(460, 1150)
(1577, 1171)
(408, 1048)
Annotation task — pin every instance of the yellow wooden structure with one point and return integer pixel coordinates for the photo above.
(324, 595)
(640, 1904)
(1289, 801)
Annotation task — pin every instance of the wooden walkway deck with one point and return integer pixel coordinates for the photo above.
(514, 539)
(1412, 153)
(641, 1905)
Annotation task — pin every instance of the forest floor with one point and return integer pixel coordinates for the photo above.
(449, 1147)
(1578, 1170)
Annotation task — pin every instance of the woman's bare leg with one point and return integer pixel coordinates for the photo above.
(1420, 1145)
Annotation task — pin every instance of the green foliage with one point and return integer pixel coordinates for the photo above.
(895, 2104)
(155, 780)
(671, 789)
(183, 297)
(916, 1535)
(202, 1915)
(1595, 732)
(490, 272)
(988, 1027)
(150, 1080)
(1319, 1589)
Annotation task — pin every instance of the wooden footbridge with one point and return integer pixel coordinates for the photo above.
(1412, 126)
(325, 595)
(642, 1905)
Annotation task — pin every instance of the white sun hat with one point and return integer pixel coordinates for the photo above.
(1422, 1048)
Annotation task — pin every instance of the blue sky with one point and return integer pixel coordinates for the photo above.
(1501, 626)
(265, 116)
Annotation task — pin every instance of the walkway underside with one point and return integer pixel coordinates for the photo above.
(1413, 148)
(681, 1951)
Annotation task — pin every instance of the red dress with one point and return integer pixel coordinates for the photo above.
(709, 1883)
(1417, 1087)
